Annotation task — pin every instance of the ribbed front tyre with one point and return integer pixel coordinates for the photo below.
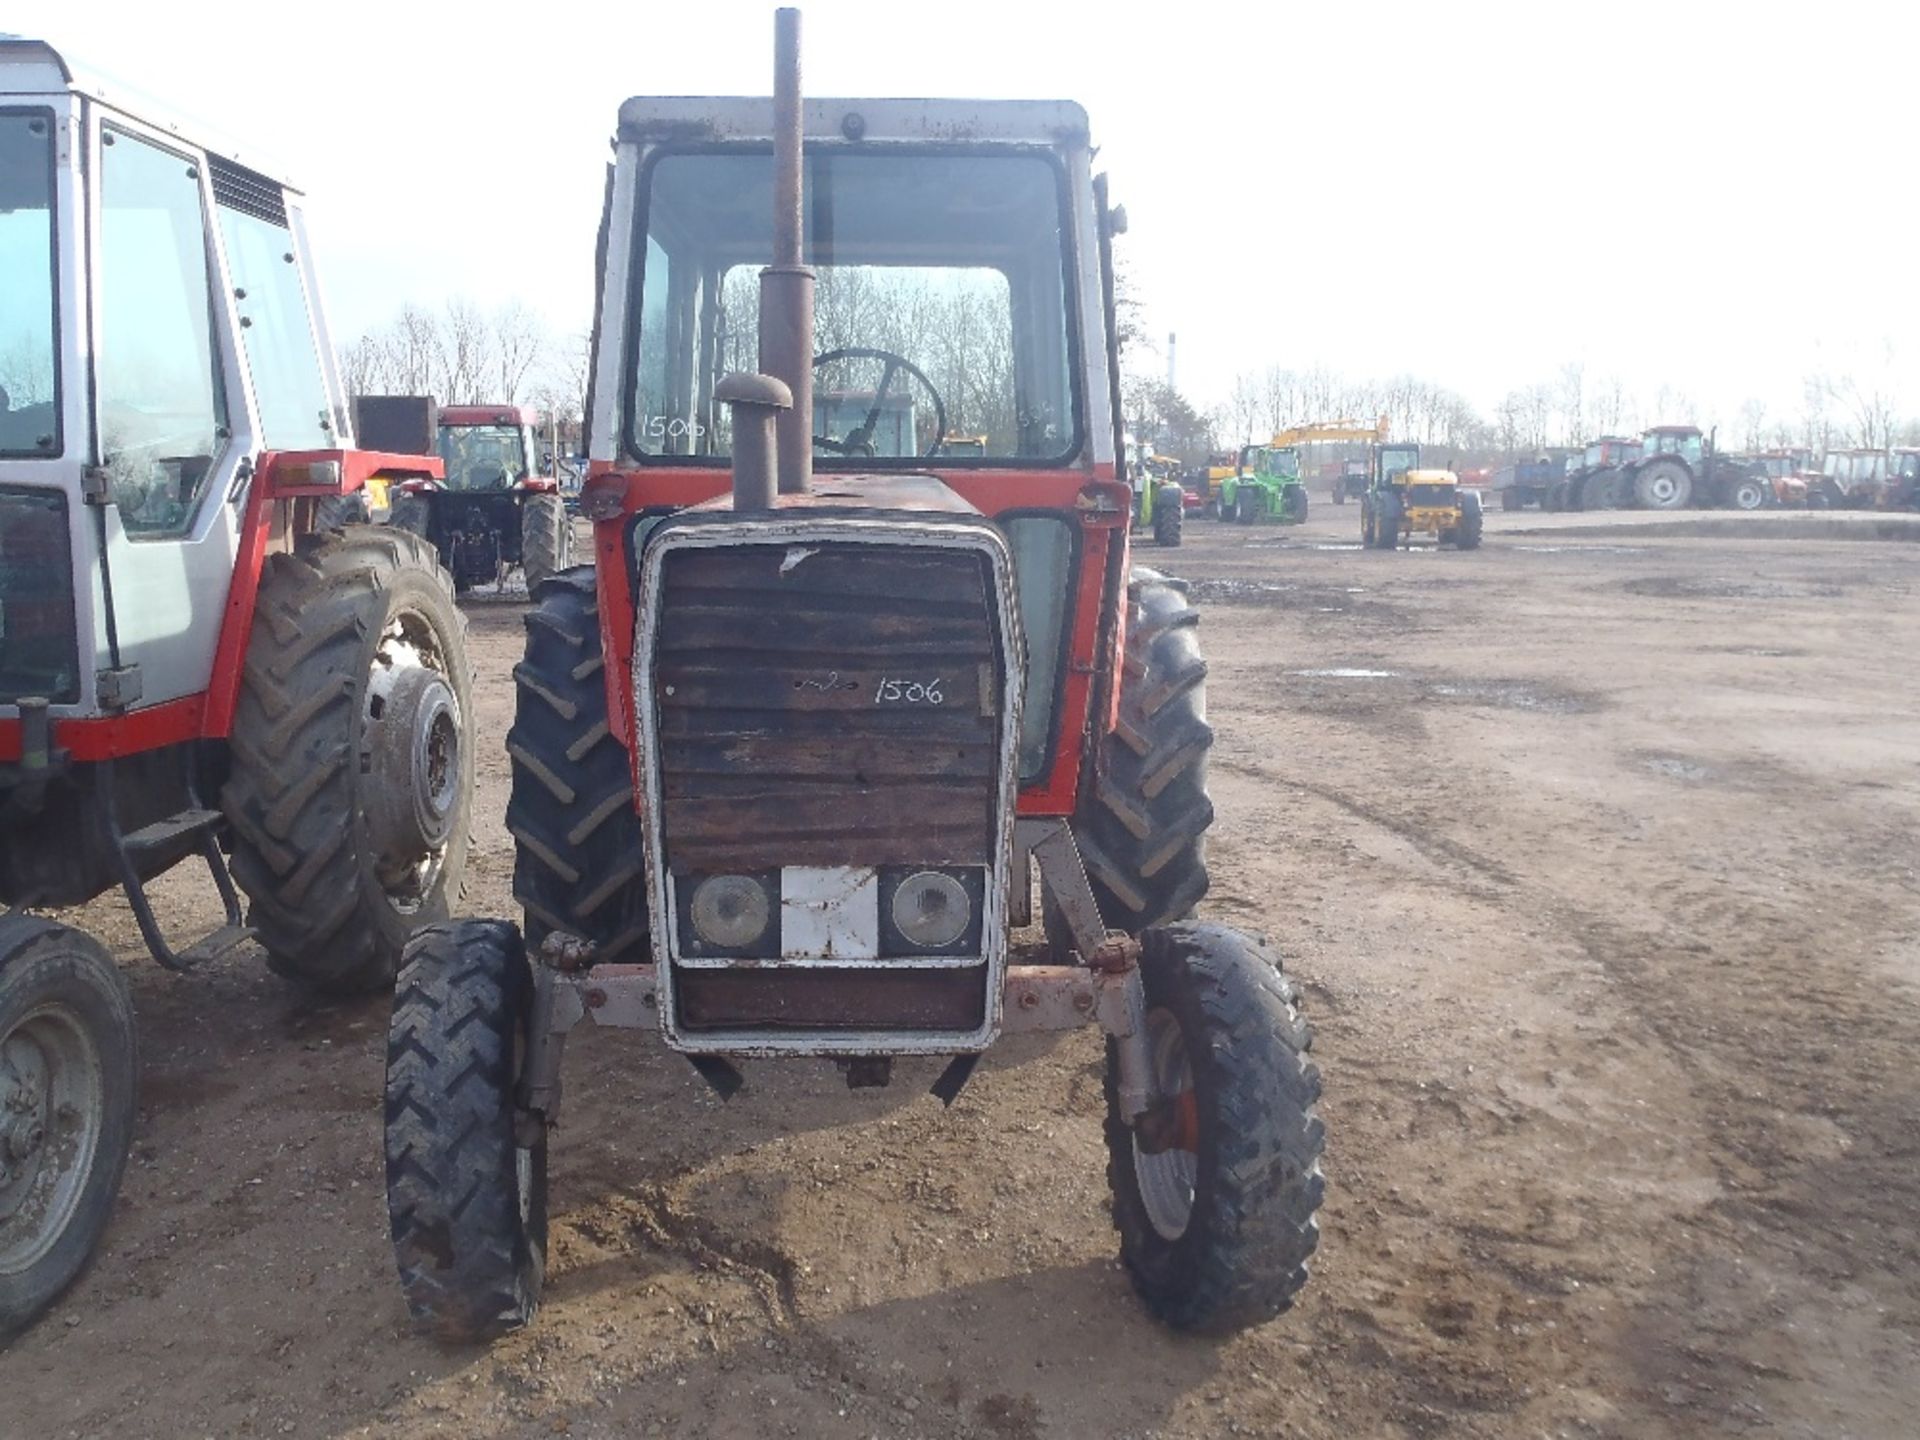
(466, 1186)
(1216, 1190)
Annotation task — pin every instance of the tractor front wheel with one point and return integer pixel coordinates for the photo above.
(67, 1074)
(1748, 493)
(1142, 820)
(1217, 1186)
(546, 538)
(466, 1171)
(1293, 507)
(352, 756)
(1246, 505)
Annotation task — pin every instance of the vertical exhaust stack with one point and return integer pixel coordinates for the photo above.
(786, 286)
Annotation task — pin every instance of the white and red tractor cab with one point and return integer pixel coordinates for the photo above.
(190, 666)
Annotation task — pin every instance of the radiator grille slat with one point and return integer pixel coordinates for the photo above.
(837, 705)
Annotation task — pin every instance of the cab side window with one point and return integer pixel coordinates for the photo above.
(276, 328)
(163, 408)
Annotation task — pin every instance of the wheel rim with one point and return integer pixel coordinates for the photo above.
(411, 751)
(1167, 1178)
(52, 1111)
(1748, 496)
(1664, 489)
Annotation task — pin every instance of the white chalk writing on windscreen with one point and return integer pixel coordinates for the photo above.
(909, 692)
(659, 427)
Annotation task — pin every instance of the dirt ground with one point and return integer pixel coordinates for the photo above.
(1596, 856)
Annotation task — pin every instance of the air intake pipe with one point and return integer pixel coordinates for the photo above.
(786, 310)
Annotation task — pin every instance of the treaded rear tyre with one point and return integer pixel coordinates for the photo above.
(1473, 522)
(579, 859)
(1247, 1153)
(304, 784)
(467, 1204)
(1142, 819)
(1293, 505)
(546, 536)
(1169, 516)
(338, 511)
(68, 1068)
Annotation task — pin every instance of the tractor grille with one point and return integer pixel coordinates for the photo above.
(1437, 496)
(38, 646)
(842, 712)
(833, 708)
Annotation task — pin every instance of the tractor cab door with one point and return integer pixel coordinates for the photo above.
(203, 356)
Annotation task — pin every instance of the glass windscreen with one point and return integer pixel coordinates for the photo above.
(940, 310)
(483, 457)
(29, 418)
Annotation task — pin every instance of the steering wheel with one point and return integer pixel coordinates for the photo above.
(859, 440)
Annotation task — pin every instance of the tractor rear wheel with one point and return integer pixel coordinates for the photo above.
(338, 511)
(1510, 499)
(1600, 491)
(68, 1064)
(546, 538)
(352, 774)
(466, 1172)
(1216, 1188)
(410, 513)
(1169, 515)
(1473, 522)
(1142, 819)
(579, 864)
(1386, 520)
(1663, 484)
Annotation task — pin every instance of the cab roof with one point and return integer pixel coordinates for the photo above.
(696, 119)
(33, 67)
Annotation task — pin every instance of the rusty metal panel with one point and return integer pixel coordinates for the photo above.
(783, 667)
(822, 999)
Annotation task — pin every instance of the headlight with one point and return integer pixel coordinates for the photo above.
(931, 909)
(730, 912)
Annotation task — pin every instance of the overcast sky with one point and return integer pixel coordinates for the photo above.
(1714, 198)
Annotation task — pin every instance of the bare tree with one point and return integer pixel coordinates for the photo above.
(519, 341)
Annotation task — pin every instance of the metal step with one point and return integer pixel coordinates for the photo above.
(212, 947)
(175, 827)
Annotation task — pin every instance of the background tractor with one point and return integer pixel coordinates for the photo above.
(785, 762)
(1159, 499)
(189, 669)
(1850, 480)
(1265, 485)
(490, 510)
(1677, 466)
(1405, 501)
(1597, 470)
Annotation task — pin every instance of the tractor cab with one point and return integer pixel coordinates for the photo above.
(1684, 441)
(1391, 463)
(487, 447)
(1610, 451)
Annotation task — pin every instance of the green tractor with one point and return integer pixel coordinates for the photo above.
(1266, 485)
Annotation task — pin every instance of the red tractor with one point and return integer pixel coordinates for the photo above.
(786, 761)
(190, 668)
(491, 510)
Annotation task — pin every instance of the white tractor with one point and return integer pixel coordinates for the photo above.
(191, 666)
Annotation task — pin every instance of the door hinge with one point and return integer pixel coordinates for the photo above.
(96, 486)
(117, 689)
